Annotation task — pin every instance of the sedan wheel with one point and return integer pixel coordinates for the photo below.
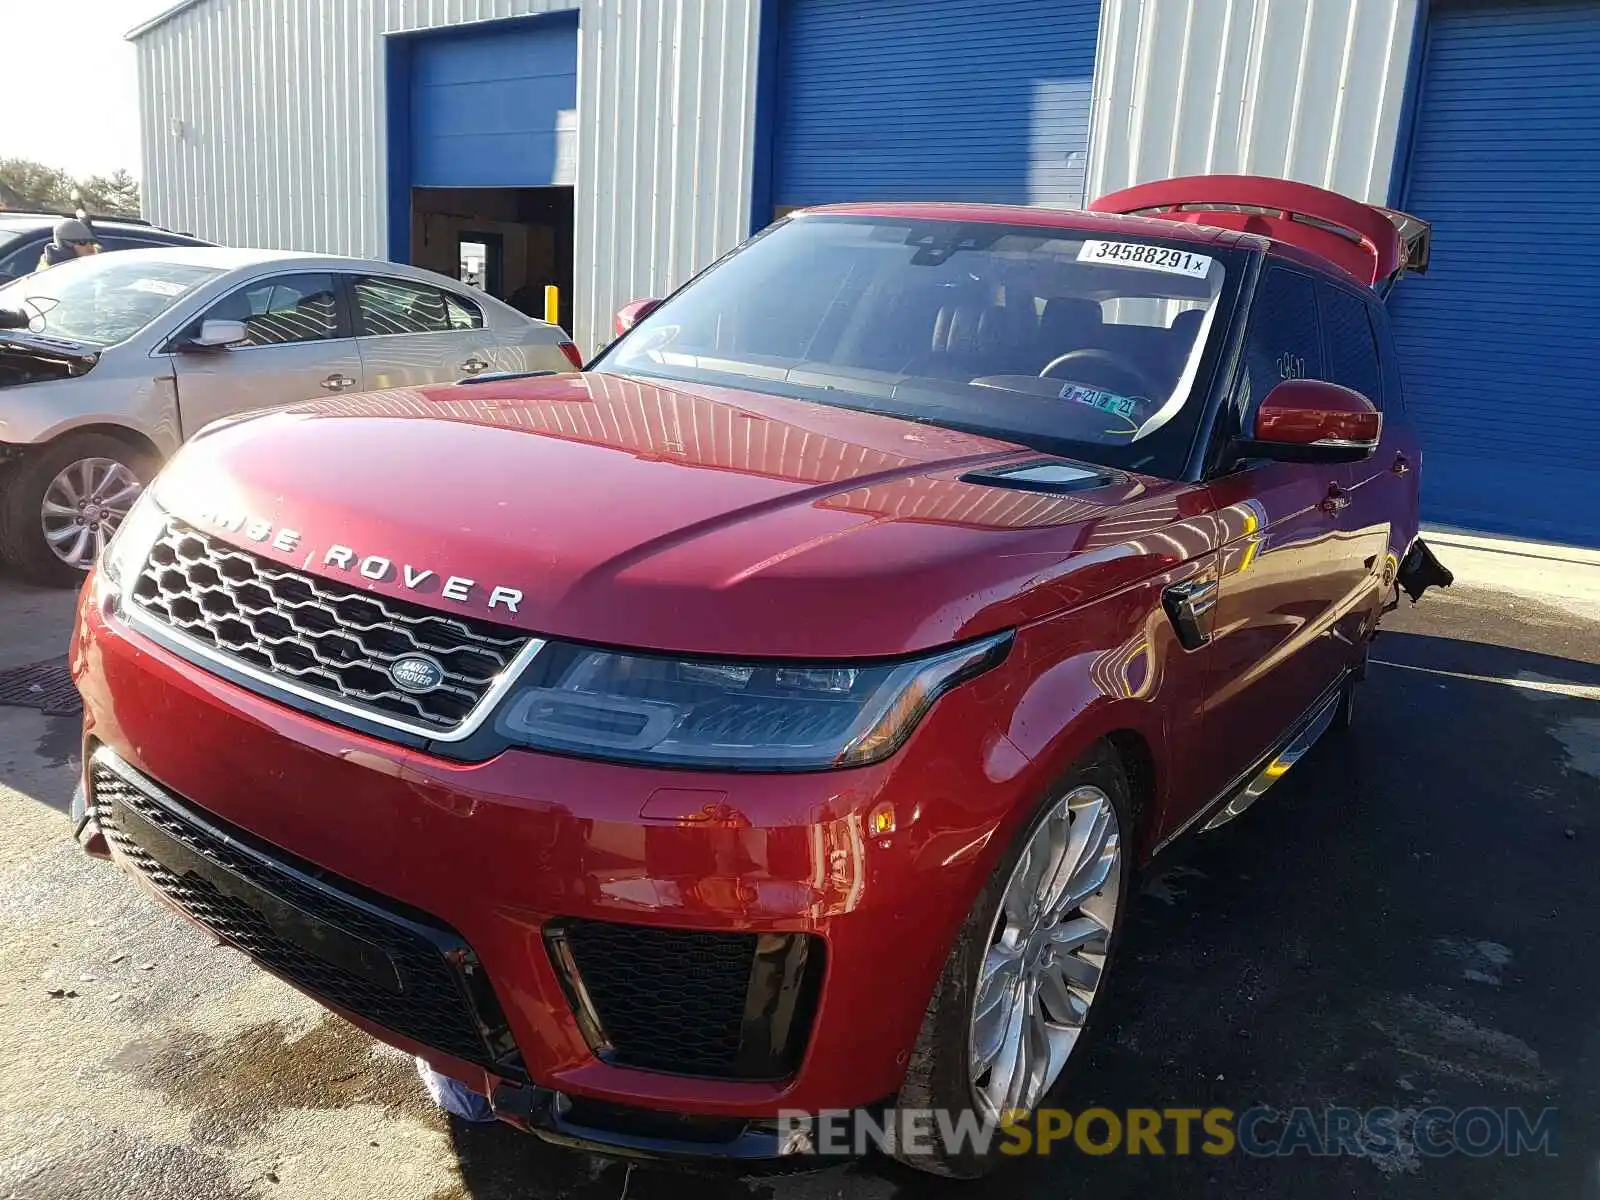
(1046, 952)
(82, 507)
(61, 503)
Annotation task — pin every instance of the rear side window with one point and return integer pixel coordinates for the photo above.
(1282, 341)
(283, 309)
(116, 242)
(1394, 400)
(463, 314)
(1352, 349)
(389, 306)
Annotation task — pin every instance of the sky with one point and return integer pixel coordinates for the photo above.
(75, 79)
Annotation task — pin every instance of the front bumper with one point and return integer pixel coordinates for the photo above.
(501, 853)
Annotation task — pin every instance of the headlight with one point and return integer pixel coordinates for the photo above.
(712, 713)
(130, 546)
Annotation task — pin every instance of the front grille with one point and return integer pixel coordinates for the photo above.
(690, 1002)
(398, 970)
(335, 640)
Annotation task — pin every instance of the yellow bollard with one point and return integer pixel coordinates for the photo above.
(552, 303)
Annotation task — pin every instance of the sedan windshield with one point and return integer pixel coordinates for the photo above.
(101, 300)
(1053, 338)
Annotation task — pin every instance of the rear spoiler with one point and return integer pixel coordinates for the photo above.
(1376, 245)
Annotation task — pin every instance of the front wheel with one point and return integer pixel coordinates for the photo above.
(1018, 990)
(59, 507)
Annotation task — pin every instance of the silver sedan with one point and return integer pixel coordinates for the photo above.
(108, 363)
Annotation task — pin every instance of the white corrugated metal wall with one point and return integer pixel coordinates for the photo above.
(263, 120)
(666, 120)
(1303, 89)
(263, 124)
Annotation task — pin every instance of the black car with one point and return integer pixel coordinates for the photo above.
(23, 236)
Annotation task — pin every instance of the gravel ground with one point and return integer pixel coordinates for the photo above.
(1408, 919)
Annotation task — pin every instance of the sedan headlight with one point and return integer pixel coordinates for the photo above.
(718, 714)
(130, 546)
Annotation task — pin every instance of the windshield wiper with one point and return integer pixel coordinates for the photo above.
(14, 318)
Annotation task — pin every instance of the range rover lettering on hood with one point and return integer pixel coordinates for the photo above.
(375, 567)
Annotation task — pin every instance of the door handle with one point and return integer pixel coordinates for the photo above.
(1402, 465)
(338, 383)
(473, 365)
(1336, 500)
(1189, 606)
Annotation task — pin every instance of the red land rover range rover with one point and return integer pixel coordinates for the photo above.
(772, 716)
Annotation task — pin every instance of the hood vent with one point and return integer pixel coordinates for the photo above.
(1053, 476)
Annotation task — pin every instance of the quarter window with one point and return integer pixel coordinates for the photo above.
(389, 306)
(282, 310)
(463, 314)
(1352, 352)
(1283, 342)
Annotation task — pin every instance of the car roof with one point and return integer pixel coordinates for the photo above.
(221, 258)
(236, 258)
(1083, 221)
(1027, 215)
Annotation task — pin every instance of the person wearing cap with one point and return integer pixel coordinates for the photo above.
(71, 238)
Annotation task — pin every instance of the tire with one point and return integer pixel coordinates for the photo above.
(939, 1075)
(23, 542)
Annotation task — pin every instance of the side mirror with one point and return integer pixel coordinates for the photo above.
(217, 335)
(1310, 421)
(632, 313)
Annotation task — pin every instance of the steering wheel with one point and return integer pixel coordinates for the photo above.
(1102, 367)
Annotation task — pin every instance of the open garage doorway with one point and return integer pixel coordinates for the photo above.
(508, 242)
(482, 122)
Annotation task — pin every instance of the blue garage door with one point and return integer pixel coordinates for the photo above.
(496, 108)
(1500, 342)
(934, 100)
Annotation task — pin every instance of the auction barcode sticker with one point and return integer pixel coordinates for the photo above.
(1145, 257)
(157, 287)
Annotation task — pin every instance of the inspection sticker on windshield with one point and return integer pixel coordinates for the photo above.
(159, 287)
(1145, 258)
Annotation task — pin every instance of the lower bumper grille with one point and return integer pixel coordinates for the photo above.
(396, 969)
(690, 1002)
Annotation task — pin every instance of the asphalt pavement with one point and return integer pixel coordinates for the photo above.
(1408, 921)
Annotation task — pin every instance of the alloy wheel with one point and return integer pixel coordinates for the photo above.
(83, 506)
(1047, 953)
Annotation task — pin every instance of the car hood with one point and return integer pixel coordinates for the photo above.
(34, 358)
(687, 518)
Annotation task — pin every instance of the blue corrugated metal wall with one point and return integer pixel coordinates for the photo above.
(486, 105)
(933, 100)
(1500, 342)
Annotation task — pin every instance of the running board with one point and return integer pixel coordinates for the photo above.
(1278, 766)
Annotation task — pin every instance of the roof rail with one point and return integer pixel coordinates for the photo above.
(1374, 244)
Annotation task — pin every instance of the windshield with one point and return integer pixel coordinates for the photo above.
(1082, 345)
(101, 300)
